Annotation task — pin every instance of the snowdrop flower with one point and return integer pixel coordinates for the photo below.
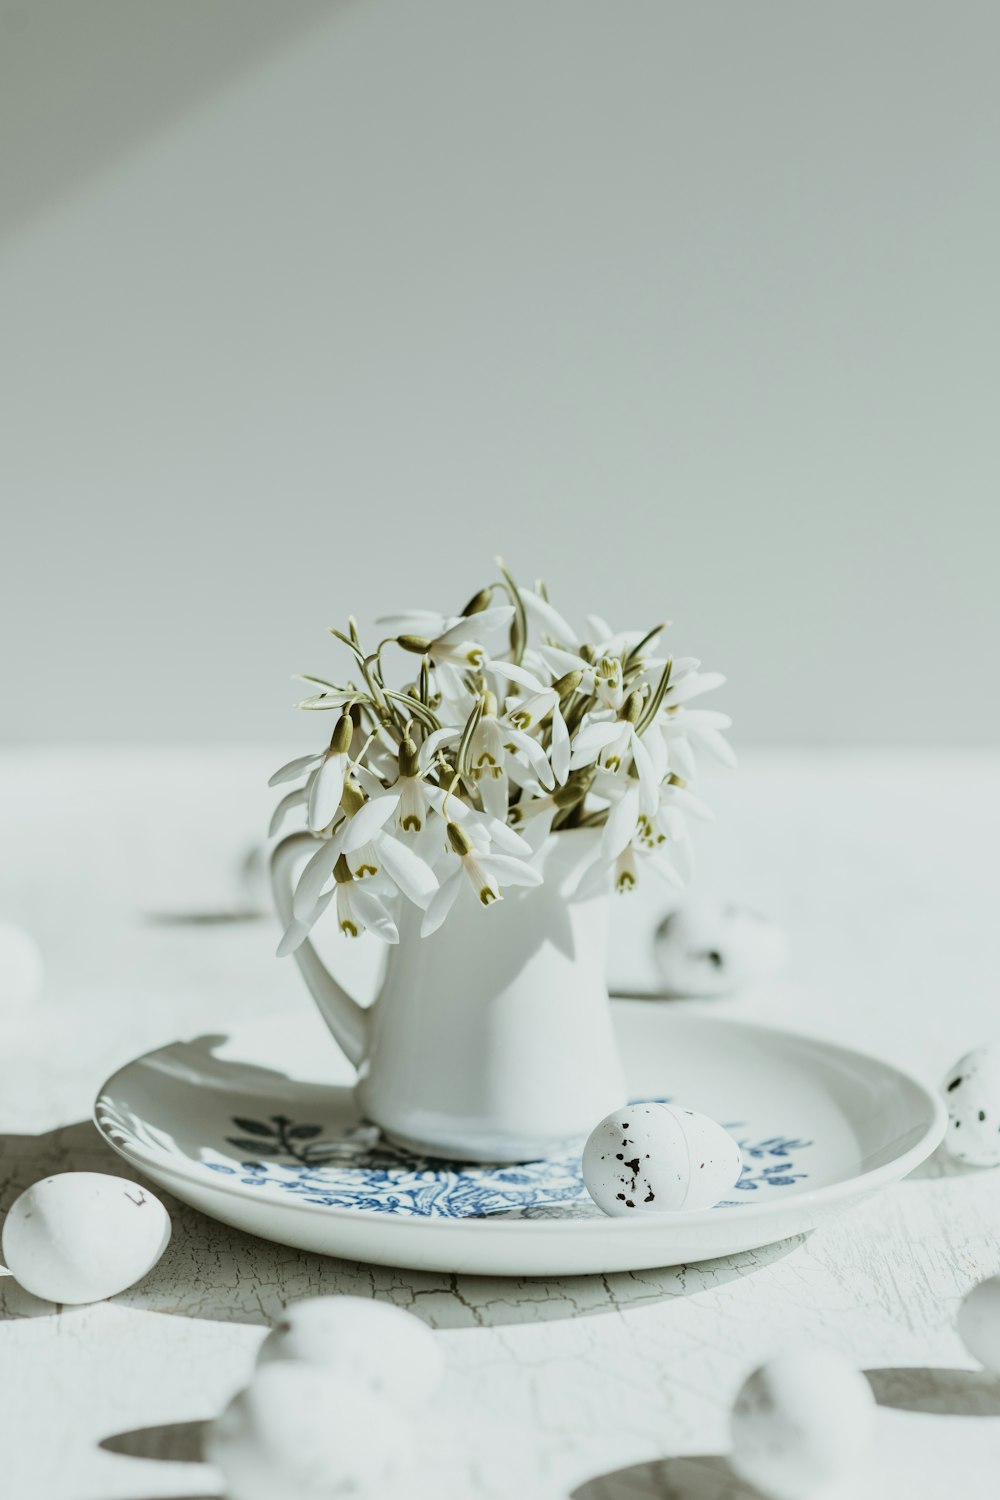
(469, 769)
(687, 730)
(529, 711)
(326, 783)
(541, 613)
(614, 744)
(359, 908)
(354, 831)
(454, 643)
(485, 872)
(369, 850)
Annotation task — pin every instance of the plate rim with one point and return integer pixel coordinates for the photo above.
(151, 1159)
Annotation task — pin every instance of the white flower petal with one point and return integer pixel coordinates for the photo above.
(594, 881)
(373, 914)
(620, 827)
(679, 796)
(649, 782)
(299, 929)
(692, 686)
(541, 613)
(512, 673)
(505, 838)
(509, 871)
(599, 629)
(413, 875)
(469, 629)
(441, 903)
(326, 790)
(368, 820)
(591, 739)
(560, 751)
(425, 622)
(560, 662)
(494, 791)
(432, 745)
(293, 768)
(315, 875)
(534, 754)
(680, 758)
(717, 746)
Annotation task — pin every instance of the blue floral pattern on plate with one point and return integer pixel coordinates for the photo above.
(355, 1167)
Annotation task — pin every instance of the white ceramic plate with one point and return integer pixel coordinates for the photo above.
(259, 1129)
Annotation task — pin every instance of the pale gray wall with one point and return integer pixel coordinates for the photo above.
(312, 308)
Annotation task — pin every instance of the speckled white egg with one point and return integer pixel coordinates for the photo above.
(709, 949)
(659, 1158)
(383, 1348)
(804, 1420)
(299, 1430)
(83, 1236)
(972, 1094)
(979, 1323)
(22, 970)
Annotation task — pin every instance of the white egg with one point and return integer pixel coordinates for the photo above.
(22, 970)
(83, 1236)
(382, 1348)
(708, 949)
(298, 1430)
(659, 1158)
(804, 1420)
(972, 1094)
(979, 1323)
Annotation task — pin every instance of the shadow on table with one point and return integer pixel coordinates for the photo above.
(703, 1478)
(173, 1442)
(944, 1392)
(211, 1271)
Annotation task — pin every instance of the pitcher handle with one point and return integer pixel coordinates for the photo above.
(348, 1020)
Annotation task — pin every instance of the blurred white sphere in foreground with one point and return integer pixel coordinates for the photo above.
(299, 1432)
(709, 949)
(386, 1350)
(979, 1323)
(804, 1420)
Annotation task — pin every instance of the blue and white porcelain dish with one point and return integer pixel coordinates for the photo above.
(259, 1129)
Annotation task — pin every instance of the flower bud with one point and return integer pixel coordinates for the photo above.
(490, 705)
(352, 798)
(568, 683)
(418, 644)
(409, 762)
(459, 839)
(340, 741)
(342, 871)
(632, 708)
(478, 603)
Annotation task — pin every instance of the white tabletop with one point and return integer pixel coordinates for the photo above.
(882, 867)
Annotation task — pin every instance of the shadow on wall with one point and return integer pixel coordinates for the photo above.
(211, 1271)
(82, 94)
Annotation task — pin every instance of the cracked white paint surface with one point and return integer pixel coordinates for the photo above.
(604, 1388)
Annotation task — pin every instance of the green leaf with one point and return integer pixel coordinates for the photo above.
(304, 1132)
(519, 625)
(653, 707)
(253, 1127)
(257, 1148)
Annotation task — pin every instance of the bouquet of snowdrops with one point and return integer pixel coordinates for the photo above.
(506, 728)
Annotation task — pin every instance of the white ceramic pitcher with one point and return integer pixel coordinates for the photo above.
(490, 1040)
